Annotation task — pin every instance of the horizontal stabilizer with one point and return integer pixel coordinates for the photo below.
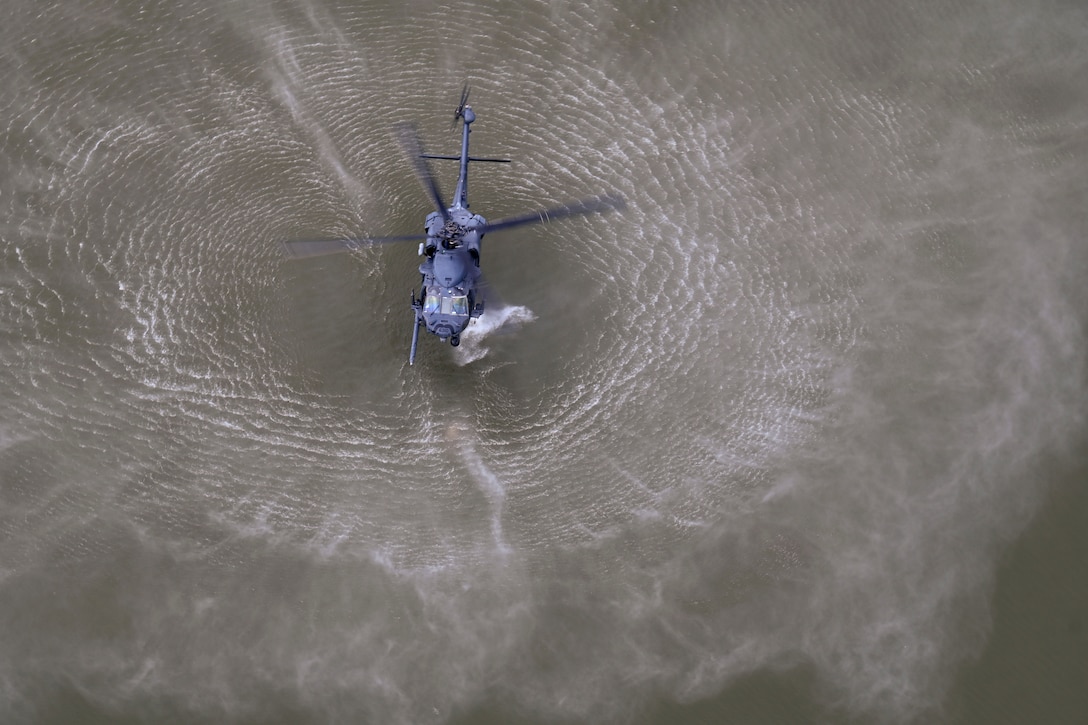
(458, 158)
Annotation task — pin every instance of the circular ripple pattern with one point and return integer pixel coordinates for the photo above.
(786, 410)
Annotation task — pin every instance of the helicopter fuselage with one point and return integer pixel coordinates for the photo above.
(448, 296)
(448, 299)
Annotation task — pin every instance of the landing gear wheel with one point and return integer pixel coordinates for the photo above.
(455, 340)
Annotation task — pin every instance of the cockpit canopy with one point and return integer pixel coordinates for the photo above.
(454, 304)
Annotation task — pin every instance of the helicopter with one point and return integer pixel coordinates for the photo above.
(451, 291)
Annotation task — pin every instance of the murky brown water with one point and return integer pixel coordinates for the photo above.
(794, 439)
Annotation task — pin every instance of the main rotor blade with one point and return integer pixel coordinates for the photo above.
(303, 248)
(593, 205)
(408, 138)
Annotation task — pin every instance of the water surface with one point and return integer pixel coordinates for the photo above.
(763, 448)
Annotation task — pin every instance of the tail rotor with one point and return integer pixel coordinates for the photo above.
(460, 113)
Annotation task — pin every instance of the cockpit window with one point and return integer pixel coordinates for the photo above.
(457, 305)
(431, 304)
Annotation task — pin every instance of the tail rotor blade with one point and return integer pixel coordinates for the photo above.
(408, 138)
(460, 106)
(593, 205)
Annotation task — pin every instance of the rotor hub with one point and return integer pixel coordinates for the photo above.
(452, 232)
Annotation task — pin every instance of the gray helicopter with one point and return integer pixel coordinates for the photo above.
(451, 294)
